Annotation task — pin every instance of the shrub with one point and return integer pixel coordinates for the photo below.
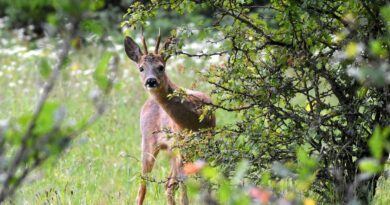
(302, 76)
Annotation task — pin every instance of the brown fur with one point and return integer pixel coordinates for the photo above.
(161, 112)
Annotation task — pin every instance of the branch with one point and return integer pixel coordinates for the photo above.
(12, 182)
(254, 27)
(41, 102)
(201, 54)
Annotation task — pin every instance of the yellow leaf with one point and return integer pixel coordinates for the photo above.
(75, 66)
(352, 50)
(308, 107)
(340, 37)
(309, 201)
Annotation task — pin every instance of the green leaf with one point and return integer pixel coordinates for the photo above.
(240, 171)
(46, 119)
(101, 71)
(376, 144)
(95, 4)
(225, 192)
(44, 68)
(52, 19)
(193, 187)
(211, 173)
(306, 169)
(385, 12)
(362, 92)
(92, 26)
(281, 170)
(372, 75)
(370, 165)
(305, 159)
(14, 136)
(377, 48)
(65, 63)
(265, 178)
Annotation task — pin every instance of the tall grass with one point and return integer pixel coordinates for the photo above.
(102, 165)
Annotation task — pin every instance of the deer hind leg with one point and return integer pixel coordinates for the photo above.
(171, 184)
(183, 194)
(183, 187)
(173, 180)
(148, 159)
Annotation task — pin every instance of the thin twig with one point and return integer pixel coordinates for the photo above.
(41, 102)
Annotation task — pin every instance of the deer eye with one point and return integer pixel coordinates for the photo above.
(160, 68)
(141, 69)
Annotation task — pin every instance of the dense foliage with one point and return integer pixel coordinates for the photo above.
(41, 14)
(308, 80)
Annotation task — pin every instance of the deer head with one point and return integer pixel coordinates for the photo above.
(151, 65)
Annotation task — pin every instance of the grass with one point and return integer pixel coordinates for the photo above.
(102, 165)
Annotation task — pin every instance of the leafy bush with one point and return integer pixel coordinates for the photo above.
(306, 77)
(39, 13)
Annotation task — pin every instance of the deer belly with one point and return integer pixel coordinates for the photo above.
(167, 127)
(164, 142)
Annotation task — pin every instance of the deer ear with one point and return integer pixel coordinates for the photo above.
(132, 49)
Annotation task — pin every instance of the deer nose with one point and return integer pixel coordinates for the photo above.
(151, 83)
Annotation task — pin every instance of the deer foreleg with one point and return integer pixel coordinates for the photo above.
(148, 160)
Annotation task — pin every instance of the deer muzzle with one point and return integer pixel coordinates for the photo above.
(151, 83)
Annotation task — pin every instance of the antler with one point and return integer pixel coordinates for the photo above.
(143, 40)
(158, 41)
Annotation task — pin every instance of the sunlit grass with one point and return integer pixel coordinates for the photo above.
(102, 165)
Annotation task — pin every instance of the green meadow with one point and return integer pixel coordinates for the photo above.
(101, 166)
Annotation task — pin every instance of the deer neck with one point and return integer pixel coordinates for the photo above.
(162, 95)
(183, 111)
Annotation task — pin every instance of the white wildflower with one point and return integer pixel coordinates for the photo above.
(125, 73)
(353, 72)
(88, 71)
(95, 94)
(59, 115)
(4, 123)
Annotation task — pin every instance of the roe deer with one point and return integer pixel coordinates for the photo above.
(162, 112)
